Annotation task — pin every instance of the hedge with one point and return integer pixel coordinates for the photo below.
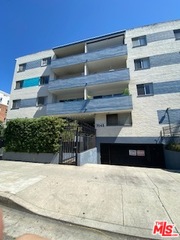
(173, 147)
(39, 135)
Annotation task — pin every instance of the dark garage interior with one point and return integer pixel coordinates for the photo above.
(140, 155)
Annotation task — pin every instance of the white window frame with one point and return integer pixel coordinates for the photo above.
(22, 67)
(147, 88)
(20, 84)
(144, 63)
(16, 103)
(42, 80)
(139, 41)
(122, 119)
(44, 101)
(177, 34)
(46, 61)
(109, 121)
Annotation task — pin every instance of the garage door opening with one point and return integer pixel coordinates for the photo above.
(141, 155)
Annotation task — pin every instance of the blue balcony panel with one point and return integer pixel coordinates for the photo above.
(90, 106)
(89, 80)
(88, 57)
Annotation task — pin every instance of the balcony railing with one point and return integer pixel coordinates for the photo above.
(171, 131)
(88, 57)
(89, 80)
(90, 106)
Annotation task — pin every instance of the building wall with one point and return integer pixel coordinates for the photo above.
(4, 102)
(4, 98)
(29, 92)
(148, 113)
(144, 114)
(164, 73)
(3, 111)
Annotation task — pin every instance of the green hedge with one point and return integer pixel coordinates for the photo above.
(39, 135)
(173, 147)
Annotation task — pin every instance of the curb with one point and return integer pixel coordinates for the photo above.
(15, 202)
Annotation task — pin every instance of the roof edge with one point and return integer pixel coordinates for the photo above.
(93, 39)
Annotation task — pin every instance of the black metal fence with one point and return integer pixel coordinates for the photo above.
(76, 139)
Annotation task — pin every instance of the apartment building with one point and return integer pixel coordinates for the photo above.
(4, 102)
(126, 84)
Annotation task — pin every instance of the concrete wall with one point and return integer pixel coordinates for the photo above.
(172, 159)
(89, 156)
(4, 98)
(88, 106)
(145, 120)
(161, 43)
(93, 79)
(88, 57)
(32, 157)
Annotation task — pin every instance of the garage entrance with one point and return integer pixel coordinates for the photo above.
(141, 155)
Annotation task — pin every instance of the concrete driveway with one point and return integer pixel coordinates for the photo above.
(126, 200)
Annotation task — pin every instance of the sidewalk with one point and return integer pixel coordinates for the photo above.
(124, 200)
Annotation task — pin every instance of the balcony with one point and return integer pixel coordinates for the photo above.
(121, 75)
(90, 106)
(88, 57)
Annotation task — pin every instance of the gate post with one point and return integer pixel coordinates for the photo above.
(60, 150)
(76, 146)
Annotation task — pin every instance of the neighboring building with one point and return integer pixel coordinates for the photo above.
(126, 84)
(4, 102)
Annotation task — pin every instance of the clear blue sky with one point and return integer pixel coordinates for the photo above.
(29, 26)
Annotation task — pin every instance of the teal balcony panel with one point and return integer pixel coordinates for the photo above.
(90, 106)
(90, 80)
(89, 57)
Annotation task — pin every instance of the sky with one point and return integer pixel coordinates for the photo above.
(30, 26)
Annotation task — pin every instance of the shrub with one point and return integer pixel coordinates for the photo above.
(126, 92)
(39, 135)
(174, 147)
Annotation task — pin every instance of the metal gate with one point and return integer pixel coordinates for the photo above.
(75, 139)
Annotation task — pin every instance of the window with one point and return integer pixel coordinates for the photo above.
(112, 120)
(19, 84)
(44, 80)
(142, 63)
(22, 67)
(46, 61)
(1, 99)
(177, 34)
(121, 119)
(145, 89)
(139, 41)
(41, 101)
(16, 104)
(125, 119)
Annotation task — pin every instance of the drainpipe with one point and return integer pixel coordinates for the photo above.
(169, 122)
(85, 92)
